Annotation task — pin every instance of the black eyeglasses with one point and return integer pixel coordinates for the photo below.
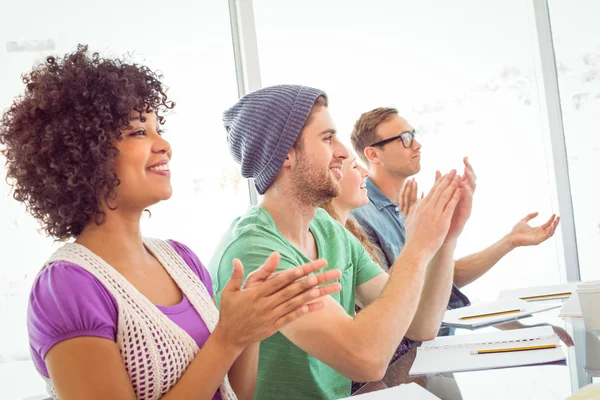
(407, 139)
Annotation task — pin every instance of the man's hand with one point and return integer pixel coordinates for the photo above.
(429, 219)
(465, 204)
(408, 195)
(522, 234)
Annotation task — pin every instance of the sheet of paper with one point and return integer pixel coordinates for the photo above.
(456, 317)
(455, 353)
(539, 293)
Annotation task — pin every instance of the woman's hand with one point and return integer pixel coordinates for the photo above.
(270, 301)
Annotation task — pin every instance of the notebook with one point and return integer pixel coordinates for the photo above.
(539, 293)
(571, 308)
(460, 353)
(492, 313)
(410, 391)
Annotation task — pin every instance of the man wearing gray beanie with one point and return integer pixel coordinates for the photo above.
(284, 138)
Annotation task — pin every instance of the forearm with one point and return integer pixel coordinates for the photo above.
(383, 324)
(435, 295)
(206, 372)
(470, 268)
(244, 372)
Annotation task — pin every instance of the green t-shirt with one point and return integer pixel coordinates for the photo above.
(284, 370)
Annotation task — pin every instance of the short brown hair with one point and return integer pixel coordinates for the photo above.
(365, 129)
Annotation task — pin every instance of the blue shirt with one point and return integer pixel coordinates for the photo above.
(383, 222)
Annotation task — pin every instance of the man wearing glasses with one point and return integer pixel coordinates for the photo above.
(386, 143)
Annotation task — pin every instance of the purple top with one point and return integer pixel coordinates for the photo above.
(66, 302)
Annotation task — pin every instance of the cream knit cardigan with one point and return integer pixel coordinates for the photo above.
(155, 351)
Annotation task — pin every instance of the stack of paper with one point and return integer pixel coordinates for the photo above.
(492, 313)
(410, 391)
(480, 351)
(539, 293)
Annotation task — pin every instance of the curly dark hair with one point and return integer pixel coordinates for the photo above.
(58, 137)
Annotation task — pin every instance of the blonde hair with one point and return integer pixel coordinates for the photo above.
(356, 230)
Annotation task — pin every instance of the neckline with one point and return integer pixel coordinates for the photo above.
(177, 305)
(178, 308)
(310, 228)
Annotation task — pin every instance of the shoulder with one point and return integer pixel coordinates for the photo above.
(187, 254)
(325, 224)
(67, 301)
(254, 231)
(367, 212)
(192, 260)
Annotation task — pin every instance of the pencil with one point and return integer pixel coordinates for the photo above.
(490, 314)
(546, 296)
(509, 349)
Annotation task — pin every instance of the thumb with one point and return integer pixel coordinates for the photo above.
(237, 276)
(265, 270)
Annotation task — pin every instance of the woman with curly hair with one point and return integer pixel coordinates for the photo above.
(113, 315)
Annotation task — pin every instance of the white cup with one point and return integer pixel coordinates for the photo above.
(589, 299)
(592, 354)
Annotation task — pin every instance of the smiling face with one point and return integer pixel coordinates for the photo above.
(353, 193)
(142, 165)
(317, 173)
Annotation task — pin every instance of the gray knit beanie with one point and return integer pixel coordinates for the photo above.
(263, 126)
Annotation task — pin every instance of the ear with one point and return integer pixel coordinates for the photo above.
(290, 158)
(371, 154)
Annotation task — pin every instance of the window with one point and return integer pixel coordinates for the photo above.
(577, 50)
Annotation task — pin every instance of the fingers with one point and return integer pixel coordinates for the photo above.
(413, 210)
(284, 278)
(467, 163)
(438, 175)
(413, 193)
(237, 276)
(451, 206)
(265, 271)
(408, 195)
(529, 217)
(552, 228)
(548, 223)
(439, 187)
(469, 178)
(294, 315)
(404, 196)
(304, 287)
(446, 190)
(304, 303)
